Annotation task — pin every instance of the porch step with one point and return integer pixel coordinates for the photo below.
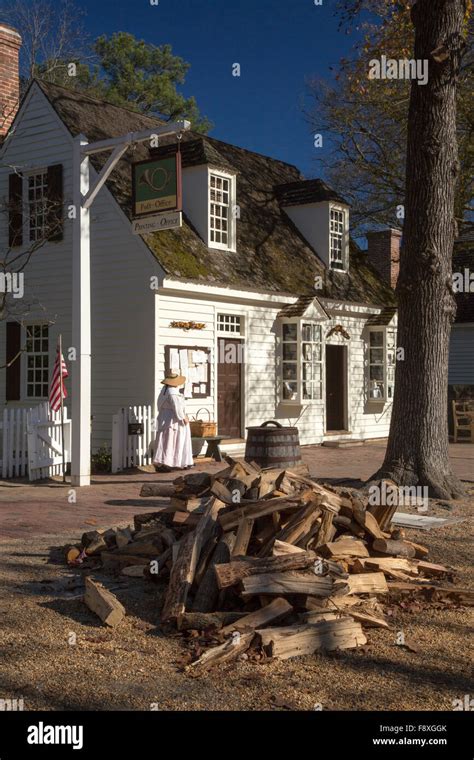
(342, 444)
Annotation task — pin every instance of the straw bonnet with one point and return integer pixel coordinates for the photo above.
(173, 378)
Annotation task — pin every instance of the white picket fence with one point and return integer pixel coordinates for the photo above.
(132, 450)
(31, 442)
(13, 435)
(44, 442)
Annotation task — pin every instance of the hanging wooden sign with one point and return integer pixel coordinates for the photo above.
(156, 186)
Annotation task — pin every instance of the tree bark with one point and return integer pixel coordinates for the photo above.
(417, 451)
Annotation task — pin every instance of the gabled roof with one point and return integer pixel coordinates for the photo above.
(272, 255)
(301, 306)
(382, 319)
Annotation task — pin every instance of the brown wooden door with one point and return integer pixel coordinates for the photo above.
(229, 388)
(335, 387)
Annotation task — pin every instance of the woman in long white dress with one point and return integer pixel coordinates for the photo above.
(173, 447)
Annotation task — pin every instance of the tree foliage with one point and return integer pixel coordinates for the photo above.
(366, 119)
(120, 69)
(133, 74)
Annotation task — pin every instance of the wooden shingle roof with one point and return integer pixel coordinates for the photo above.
(307, 191)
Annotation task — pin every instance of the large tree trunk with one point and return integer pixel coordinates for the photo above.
(417, 451)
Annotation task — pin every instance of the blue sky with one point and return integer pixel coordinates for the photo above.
(278, 43)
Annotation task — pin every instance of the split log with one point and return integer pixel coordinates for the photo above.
(383, 513)
(184, 567)
(93, 542)
(367, 619)
(226, 652)
(202, 621)
(157, 489)
(146, 518)
(220, 491)
(189, 503)
(430, 568)
(268, 481)
(395, 567)
(282, 584)
(394, 548)
(186, 519)
(149, 547)
(271, 613)
(326, 531)
(367, 583)
(368, 522)
(255, 509)
(420, 551)
(123, 537)
(363, 617)
(206, 554)
(248, 468)
(294, 641)
(103, 603)
(233, 572)
(208, 591)
(242, 540)
(346, 547)
(331, 500)
(299, 524)
(195, 482)
(282, 548)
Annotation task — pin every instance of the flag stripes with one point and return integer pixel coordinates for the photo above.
(57, 382)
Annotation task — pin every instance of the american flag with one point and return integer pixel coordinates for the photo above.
(55, 389)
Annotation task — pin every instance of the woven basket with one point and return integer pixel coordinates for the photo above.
(203, 428)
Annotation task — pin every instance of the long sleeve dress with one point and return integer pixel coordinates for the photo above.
(173, 438)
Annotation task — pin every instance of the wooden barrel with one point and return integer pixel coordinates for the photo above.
(273, 446)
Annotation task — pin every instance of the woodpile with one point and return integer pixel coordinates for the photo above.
(269, 563)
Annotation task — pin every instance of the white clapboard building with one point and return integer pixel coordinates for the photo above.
(260, 298)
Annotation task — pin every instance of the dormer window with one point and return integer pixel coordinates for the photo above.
(221, 217)
(337, 239)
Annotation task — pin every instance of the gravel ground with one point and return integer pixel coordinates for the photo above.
(56, 655)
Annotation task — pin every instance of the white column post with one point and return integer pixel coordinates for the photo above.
(81, 321)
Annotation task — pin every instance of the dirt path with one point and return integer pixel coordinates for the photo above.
(135, 667)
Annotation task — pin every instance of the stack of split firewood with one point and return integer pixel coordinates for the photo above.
(269, 560)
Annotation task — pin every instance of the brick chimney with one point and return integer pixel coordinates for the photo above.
(384, 253)
(10, 43)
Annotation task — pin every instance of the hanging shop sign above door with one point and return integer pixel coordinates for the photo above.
(156, 186)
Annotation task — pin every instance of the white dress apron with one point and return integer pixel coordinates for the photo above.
(173, 438)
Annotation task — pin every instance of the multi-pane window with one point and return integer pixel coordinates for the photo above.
(219, 220)
(301, 361)
(336, 239)
(37, 205)
(229, 323)
(37, 361)
(381, 364)
(311, 357)
(290, 372)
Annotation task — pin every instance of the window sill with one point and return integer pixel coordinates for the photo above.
(214, 247)
(302, 402)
